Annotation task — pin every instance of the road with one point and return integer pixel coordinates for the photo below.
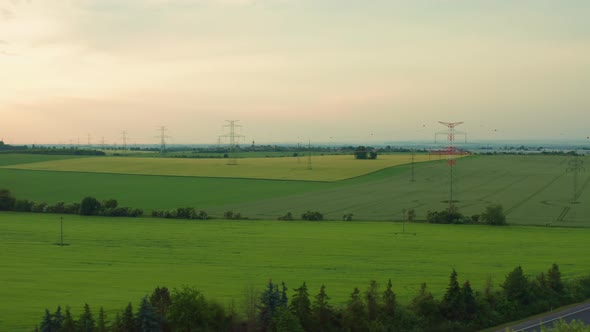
(580, 312)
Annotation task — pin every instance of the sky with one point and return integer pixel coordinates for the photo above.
(293, 70)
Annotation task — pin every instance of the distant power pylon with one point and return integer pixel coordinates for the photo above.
(575, 165)
(450, 152)
(124, 137)
(89, 140)
(162, 138)
(309, 156)
(412, 159)
(102, 143)
(233, 138)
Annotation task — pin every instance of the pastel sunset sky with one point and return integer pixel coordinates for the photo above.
(293, 70)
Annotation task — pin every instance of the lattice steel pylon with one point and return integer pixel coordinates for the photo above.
(575, 166)
(233, 138)
(162, 138)
(451, 150)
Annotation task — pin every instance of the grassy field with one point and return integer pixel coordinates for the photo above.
(324, 168)
(111, 261)
(534, 190)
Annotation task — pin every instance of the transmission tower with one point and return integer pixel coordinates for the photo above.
(575, 166)
(89, 140)
(450, 152)
(124, 137)
(102, 143)
(233, 138)
(309, 156)
(162, 138)
(412, 159)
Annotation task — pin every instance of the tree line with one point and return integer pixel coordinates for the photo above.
(460, 309)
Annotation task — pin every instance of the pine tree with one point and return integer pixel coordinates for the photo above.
(469, 302)
(69, 324)
(86, 322)
(161, 301)
(270, 302)
(47, 322)
(128, 320)
(147, 318)
(117, 325)
(371, 298)
(424, 305)
(389, 303)
(322, 311)
(516, 287)
(356, 313)
(284, 297)
(451, 306)
(58, 318)
(301, 306)
(554, 276)
(101, 324)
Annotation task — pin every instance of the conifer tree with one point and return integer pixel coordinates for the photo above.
(301, 306)
(516, 287)
(47, 322)
(86, 321)
(451, 306)
(147, 318)
(469, 302)
(356, 312)
(128, 320)
(371, 298)
(101, 324)
(270, 302)
(554, 276)
(389, 303)
(322, 311)
(69, 324)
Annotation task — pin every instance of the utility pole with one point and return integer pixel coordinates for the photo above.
(575, 166)
(450, 152)
(61, 242)
(412, 161)
(124, 138)
(233, 138)
(309, 156)
(162, 138)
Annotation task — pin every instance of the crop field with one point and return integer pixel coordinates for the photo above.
(534, 190)
(324, 168)
(111, 261)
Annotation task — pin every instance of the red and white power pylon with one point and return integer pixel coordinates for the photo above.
(451, 151)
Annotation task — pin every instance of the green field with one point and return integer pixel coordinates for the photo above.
(110, 261)
(324, 168)
(534, 190)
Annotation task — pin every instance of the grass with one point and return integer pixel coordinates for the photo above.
(324, 168)
(534, 190)
(111, 261)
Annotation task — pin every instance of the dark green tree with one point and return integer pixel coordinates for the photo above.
(7, 201)
(371, 299)
(469, 302)
(147, 318)
(86, 322)
(270, 302)
(321, 311)
(189, 310)
(516, 287)
(451, 306)
(356, 313)
(360, 152)
(494, 215)
(69, 324)
(101, 323)
(128, 319)
(389, 304)
(554, 277)
(425, 307)
(161, 301)
(301, 306)
(89, 206)
(47, 322)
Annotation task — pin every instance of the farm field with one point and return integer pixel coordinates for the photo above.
(534, 190)
(110, 261)
(324, 168)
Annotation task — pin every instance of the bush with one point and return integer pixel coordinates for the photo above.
(7, 201)
(89, 206)
(23, 205)
(494, 215)
(347, 217)
(312, 216)
(287, 217)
